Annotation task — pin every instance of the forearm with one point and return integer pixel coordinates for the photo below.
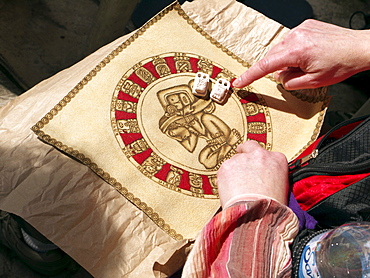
(251, 238)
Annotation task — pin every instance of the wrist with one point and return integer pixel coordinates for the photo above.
(362, 50)
(246, 197)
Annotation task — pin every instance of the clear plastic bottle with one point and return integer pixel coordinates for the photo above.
(341, 252)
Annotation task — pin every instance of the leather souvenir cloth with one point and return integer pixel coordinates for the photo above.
(133, 223)
(135, 122)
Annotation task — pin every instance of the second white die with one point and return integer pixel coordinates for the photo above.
(220, 90)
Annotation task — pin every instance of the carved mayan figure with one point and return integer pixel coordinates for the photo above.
(187, 119)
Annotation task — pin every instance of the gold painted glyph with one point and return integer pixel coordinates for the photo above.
(135, 122)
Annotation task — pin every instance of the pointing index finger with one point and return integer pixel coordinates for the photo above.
(263, 67)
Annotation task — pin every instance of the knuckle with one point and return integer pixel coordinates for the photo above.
(298, 33)
(315, 84)
(261, 153)
(280, 158)
(248, 147)
(263, 65)
(310, 21)
(227, 164)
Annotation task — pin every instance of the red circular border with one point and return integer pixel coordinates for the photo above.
(129, 138)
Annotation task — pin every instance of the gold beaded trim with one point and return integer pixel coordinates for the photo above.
(87, 161)
(311, 95)
(315, 134)
(208, 37)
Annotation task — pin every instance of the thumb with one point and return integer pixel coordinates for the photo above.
(296, 79)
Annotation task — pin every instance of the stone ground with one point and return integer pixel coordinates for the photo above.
(12, 267)
(36, 36)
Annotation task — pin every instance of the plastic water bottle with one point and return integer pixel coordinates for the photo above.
(341, 252)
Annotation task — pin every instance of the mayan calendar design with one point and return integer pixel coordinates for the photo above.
(194, 127)
(157, 117)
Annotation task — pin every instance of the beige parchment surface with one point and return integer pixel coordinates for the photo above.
(81, 212)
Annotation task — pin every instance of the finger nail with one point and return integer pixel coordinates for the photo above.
(236, 82)
(277, 77)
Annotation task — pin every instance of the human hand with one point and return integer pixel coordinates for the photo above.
(253, 170)
(312, 55)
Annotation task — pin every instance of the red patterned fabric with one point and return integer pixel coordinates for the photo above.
(248, 239)
(310, 191)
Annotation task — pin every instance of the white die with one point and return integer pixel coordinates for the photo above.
(200, 87)
(220, 90)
